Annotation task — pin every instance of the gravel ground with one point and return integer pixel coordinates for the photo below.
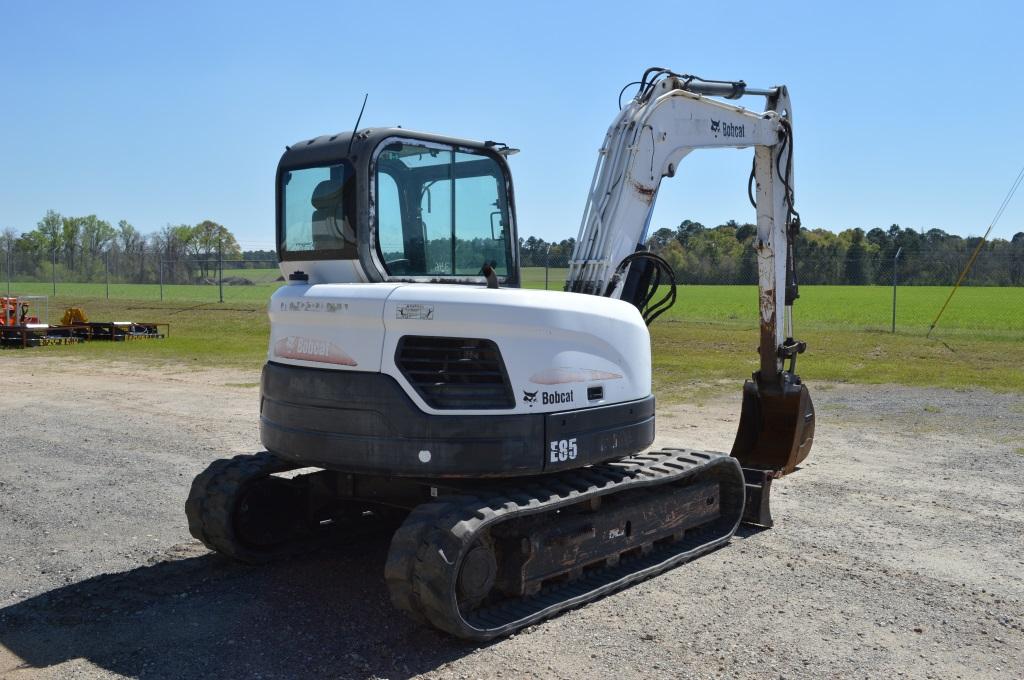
(897, 551)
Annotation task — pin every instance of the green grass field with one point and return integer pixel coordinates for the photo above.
(993, 312)
(708, 339)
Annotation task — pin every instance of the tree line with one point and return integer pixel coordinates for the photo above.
(91, 249)
(536, 252)
(725, 254)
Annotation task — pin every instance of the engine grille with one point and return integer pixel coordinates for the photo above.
(455, 373)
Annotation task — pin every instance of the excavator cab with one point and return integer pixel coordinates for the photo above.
(387, 204)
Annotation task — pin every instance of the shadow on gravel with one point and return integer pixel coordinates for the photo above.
(749, 530)
(199, 615)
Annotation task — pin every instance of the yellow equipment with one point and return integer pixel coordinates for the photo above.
(73, 316)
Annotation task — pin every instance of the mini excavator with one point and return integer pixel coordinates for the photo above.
(411, 383)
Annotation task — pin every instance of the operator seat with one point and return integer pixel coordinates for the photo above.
(331, 228)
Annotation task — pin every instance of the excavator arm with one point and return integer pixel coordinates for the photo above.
(671, 116)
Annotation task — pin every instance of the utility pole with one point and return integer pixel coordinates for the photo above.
(895, 259)
(160, 259)
(53, 272)
(106, 267)
(8, 271)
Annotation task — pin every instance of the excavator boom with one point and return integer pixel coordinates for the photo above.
(671, 116)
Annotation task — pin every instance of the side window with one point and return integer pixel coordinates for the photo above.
(317, 219)
(298, 217)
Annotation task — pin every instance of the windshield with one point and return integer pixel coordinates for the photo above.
(440, 212)
(318, 210)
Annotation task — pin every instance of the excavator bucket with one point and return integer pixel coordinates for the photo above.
(776, 424)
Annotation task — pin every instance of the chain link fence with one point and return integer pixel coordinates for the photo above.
(921, 268)
(140, 275)
(153, 275)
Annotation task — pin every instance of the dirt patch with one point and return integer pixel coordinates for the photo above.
(896, 550)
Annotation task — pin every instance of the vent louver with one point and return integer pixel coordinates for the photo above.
(455, 373)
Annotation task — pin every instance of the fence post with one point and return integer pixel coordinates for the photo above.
(53, 272)
(547, 260)
(895, 259)
(220, 268)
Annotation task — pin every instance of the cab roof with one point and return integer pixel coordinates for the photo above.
(327, 148)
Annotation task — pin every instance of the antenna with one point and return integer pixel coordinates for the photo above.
(353, 137)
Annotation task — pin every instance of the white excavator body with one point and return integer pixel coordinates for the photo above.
(561, 351)
(509, 430)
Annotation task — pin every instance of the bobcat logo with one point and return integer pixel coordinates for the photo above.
(715, 125)
(530, 397)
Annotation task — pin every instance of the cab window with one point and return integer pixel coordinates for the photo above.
(440, 212)
(318, 213)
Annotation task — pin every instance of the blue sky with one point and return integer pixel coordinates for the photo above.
(177, 112)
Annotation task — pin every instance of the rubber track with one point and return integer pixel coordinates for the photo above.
(211, 504)
(426, 552)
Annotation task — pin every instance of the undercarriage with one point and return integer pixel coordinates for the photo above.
(484, 560)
